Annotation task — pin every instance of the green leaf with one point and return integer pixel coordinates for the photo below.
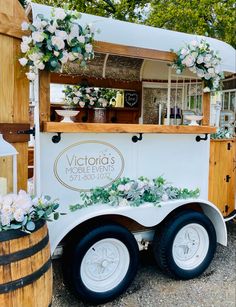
(56, 216)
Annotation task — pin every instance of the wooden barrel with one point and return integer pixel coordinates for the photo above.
(25, 268)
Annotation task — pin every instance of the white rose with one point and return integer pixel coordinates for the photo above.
(123, 203)
(56, 53)
(88, 90)
(164, 197)
(60, 14)
(19, 215)
(178, 71)
(74, 31)
(37, 24)
(31, 76)
(193, 69)
(24, 47)
(78, 94)
(104, 103)
(44, 23)
(39, 64)
(65, 57)
(75, 100)
(91, 102)
(200, 73)
(184, 51)
(26, 40)
(51, 28)
(206, 89)
(62, 34)
(8, 200)
(38, 36)
(81, 104)
(211, 70)
(23, 61)
(58, 42)
(189, 60)
(207, 76)
(24, 26)
(35, 56)
(5, 219)
(88, 48)
(128, 187)
(207, 58)
(200, 59)
(71, 56)
(81, 39)
(121, 187)
(6, 210)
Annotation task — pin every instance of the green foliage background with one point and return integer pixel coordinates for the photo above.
(205, 17)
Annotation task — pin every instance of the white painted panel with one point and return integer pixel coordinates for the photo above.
(179, 158)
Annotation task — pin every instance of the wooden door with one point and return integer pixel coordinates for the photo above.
(222, 182)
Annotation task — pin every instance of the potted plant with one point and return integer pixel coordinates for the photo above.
(84, 96)
(24, 249)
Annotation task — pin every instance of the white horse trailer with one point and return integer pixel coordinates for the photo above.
(101, 243)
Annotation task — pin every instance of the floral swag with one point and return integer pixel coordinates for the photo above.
(199, 58)
(54, 42)
(126, 192)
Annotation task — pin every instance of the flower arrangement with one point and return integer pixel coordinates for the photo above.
(222, 133)
(21, 211)
(199, 58)
(55, 41)
(85, 96)
(127, 192)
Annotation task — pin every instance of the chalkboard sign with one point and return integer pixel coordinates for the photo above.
(131, 99)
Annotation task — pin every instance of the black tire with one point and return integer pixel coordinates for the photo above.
(165, 237)
(114, 233)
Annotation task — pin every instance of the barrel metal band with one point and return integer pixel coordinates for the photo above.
(24, 281)
(24, 253)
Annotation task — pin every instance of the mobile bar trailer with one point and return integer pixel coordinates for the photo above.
(101, 243)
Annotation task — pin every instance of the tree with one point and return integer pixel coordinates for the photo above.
(130, 10)
(214, 17)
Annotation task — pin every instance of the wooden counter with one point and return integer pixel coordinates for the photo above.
(124, 128)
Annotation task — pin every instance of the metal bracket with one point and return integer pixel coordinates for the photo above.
(198, 138)
(56, 138)
(29, 131)
(136, 138)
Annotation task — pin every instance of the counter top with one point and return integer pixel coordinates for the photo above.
(124, 128)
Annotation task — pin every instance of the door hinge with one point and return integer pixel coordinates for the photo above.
(226, 208)
(29, 131)
(229, 146)
(227, 178)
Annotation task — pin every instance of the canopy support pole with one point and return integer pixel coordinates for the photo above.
(168, 95)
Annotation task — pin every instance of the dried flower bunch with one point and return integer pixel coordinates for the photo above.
(54, 42)
(127, 192)
(200, 59)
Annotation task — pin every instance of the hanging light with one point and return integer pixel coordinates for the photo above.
(7, 150)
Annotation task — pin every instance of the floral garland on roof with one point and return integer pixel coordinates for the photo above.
(126, 192)
(199, 58)
(54, 42)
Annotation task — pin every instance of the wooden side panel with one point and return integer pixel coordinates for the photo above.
(44, 96)
(14, 91)
(206, 104)
(222, 175)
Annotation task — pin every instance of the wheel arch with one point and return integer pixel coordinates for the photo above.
(139, 218)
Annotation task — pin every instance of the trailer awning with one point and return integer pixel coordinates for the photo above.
(144, 42)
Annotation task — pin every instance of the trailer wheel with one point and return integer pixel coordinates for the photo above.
(104, 263)
(185, 245)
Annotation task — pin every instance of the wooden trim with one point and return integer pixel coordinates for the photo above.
(44, 96)
(11, 26)
(131, 51)
(110, 83)
(124, 128)
(10, 132)
(206, 108)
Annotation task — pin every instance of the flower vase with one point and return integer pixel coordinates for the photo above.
(67, 114)
(99, 115)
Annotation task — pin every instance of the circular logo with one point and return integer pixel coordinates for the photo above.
(88, 164)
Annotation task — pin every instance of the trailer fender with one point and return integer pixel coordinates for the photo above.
(146, 215)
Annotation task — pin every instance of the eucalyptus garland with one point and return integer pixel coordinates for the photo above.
(127, 192)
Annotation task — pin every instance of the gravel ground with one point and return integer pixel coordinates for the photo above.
(216, 287)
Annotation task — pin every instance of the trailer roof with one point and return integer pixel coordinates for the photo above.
(141, 36)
